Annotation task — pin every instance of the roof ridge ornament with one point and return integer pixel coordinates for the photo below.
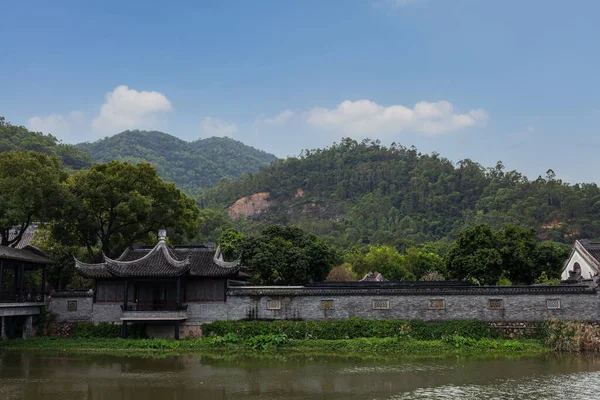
(220, 261)
(162, 235)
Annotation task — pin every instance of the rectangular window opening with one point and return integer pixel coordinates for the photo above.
(381, 304)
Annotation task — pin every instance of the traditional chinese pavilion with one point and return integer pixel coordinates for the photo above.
(155, 285)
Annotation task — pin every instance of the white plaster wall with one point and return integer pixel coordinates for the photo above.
(586, 271)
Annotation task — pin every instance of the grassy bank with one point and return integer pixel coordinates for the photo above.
(264, 345)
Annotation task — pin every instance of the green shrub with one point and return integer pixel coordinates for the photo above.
(352, 328)
(101, 330)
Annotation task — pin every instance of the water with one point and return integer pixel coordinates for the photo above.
(94, 377)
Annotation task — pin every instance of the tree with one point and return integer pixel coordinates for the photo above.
(419, 262)
(517, 247)
(287, 256)
(387, 261)
(117, 204)
(474, 256)
(230, 242)
(31, 190)
(61, 273)
(341, 273)
(212, 224)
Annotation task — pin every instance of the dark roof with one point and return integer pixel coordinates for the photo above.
(408, 290)
(161, 261)
(27, 254)
(593, 248)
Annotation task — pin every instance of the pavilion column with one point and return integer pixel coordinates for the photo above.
(178, 300)
(44, 283)
(3, 329)
(21, 281)
(1, 277)
(124, 330)
(177, 330)
(126, 295)
(28, 327)
(15, 293)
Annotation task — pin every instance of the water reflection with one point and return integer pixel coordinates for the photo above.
(95, 377)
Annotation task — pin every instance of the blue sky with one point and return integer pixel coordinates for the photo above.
(516, 81)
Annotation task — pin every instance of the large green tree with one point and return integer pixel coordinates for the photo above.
(287, 256)
(510, 254)
(115, 205)
(31, 190)
(474, 256)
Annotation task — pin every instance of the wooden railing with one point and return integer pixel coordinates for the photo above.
(21, 297)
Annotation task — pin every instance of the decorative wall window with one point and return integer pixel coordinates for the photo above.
(381, 304)
(436, 304)
(326, 304)
(496, 304)
(72, 305)
(553, 304)
(273, 305)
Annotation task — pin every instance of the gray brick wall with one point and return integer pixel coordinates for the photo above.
(516, 307)
(457, 307)
(83, 312)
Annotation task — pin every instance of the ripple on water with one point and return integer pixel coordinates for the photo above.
(403, 368)
(576, 386)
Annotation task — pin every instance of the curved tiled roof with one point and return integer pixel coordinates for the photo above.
(162, 261)
(27, 254)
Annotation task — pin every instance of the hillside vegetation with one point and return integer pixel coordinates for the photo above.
(19, 138)
(192, 166)
(366, 193)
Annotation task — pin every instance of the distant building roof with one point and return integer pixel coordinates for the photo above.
(161, 261)
(373, 277)
(27, 235)
(27, 254)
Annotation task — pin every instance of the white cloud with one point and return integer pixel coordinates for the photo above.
(365, 117)
(279, 119)
(127, 108)
(65, 127)
(217, 127)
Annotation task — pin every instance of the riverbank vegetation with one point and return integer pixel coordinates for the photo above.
(280, 344)
(354, 336)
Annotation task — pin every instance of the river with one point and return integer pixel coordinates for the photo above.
(102, 377)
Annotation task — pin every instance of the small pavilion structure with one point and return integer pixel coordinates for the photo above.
(155, 285)
(22, 289)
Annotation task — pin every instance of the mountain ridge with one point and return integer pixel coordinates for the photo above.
(363, 192)
(192, 166)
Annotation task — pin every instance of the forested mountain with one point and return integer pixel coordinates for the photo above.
(192, 166)
(13, 137)
(363, 192)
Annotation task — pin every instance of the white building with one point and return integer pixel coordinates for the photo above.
(583, 262)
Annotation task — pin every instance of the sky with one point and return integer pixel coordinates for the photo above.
(511, 80)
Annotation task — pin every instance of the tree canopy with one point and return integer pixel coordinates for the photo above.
(511, 254)
(31, 190)
(284, 256)
(115, 205)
